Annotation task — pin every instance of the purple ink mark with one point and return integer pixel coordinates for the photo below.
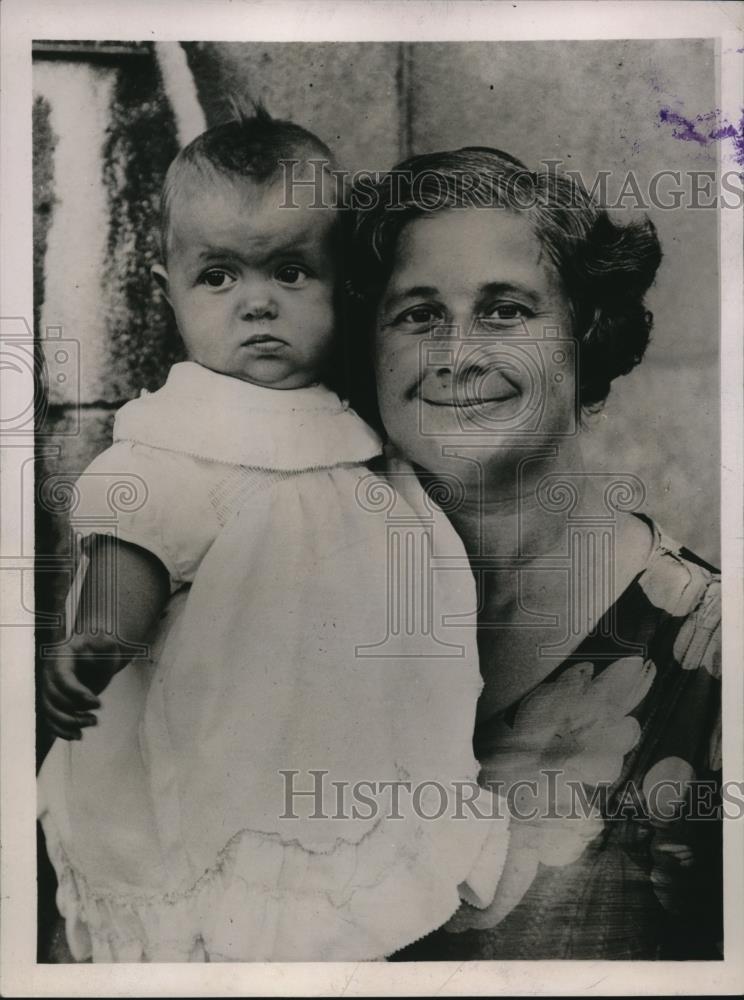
(705, 129)
(725, 132)
(684, 128)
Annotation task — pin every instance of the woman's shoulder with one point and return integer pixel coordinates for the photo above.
(674, 578)
(668, 544)
(682, 585)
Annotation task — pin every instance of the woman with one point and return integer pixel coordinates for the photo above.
(504, 303)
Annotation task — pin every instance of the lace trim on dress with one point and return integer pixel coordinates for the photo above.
(248, 901)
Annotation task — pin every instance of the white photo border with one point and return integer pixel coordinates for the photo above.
(353, 20)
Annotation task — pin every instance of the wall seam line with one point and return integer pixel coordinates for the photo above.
(404, 76)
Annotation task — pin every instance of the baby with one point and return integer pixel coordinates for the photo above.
(203, 815)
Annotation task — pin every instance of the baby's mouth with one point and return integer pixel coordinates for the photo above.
(262, 338)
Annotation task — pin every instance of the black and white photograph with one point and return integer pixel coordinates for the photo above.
(372, 498)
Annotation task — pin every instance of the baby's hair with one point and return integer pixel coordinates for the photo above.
(250, 146)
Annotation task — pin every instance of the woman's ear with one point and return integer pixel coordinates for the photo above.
(160, 275)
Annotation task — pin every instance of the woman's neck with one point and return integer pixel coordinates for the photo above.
(523, 513)
(549, 555)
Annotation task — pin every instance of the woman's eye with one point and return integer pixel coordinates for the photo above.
(216, 277)
(419, 316)
(507, 311)
(291, 274)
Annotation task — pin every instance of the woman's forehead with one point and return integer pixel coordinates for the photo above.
(470, 246)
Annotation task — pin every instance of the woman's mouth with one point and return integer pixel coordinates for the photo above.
(476, 386)
(469, 403)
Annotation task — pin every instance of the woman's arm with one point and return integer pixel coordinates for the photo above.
(123, 594)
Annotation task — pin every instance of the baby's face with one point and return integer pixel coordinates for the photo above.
(251, 283)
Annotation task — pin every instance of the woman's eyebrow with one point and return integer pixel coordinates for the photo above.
(399, 295)
(491, 288)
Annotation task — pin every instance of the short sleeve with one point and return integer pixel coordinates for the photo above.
(149, 497)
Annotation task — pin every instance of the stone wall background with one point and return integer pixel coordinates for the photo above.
(104, 133)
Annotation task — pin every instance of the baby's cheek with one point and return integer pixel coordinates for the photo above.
(318, 308)
(324, 294)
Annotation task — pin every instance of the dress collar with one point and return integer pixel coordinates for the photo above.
(201, 413)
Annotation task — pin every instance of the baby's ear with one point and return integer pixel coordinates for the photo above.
(160, 275)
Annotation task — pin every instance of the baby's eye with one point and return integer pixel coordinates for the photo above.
(217, 277)
(292, 274)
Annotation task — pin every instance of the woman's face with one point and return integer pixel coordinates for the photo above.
(474, 353)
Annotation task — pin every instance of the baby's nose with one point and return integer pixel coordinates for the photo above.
(257, 300)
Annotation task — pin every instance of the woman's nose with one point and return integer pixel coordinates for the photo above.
(456, 329)
(257, 300)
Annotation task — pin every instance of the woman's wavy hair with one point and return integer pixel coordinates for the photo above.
(605, 267)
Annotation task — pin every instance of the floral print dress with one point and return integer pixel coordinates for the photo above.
(611, 770)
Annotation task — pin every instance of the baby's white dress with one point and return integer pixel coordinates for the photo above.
(320, 640)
